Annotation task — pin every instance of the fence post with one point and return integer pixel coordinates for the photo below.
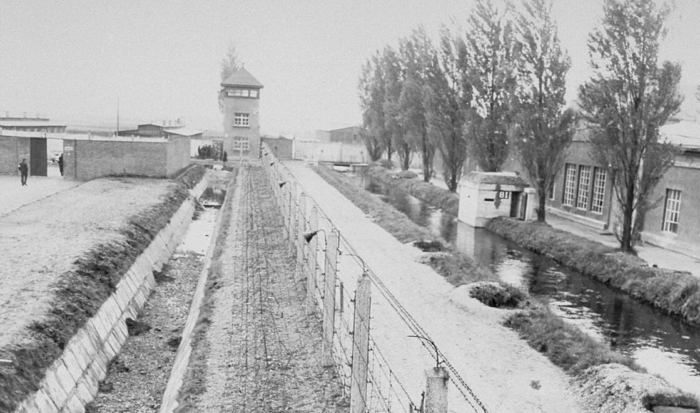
(292, 215)
(285, 209)
(301, 226)
(360, 346)
(436, 380)
(329, 298)
(313, 263)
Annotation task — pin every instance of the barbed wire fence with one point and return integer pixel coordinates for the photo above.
(339, 284)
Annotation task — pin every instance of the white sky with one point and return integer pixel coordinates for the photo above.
(72, 59)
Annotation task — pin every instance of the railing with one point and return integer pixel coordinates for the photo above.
(340, 291)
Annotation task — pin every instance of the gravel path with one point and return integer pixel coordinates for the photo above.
(264, 351)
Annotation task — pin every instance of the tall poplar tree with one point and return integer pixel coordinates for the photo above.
(372, 87)
(229, 65)
(491, 62)
(627, 100)
(447, 102)
(543, 130)
(394, 78)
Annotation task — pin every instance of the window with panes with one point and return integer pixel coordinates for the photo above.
(672, 210)
(599, 177)
(241, 120)
(569, 184)
(584, 180)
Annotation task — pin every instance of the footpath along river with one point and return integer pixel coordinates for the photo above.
(662, 344)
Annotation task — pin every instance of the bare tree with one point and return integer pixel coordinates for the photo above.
(627, 100)
(229, 65)
(544, 130)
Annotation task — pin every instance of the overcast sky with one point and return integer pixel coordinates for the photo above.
(161, 59)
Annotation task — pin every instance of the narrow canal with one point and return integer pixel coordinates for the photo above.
(662, 344)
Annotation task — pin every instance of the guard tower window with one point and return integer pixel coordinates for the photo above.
(241, 120)
(241, 143)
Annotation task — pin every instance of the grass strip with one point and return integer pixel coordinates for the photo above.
(441, 198)
(676, 293)
(78, 295)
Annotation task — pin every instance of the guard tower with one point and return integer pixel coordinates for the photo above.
(241, 100)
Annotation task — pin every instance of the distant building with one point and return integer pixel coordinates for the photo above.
(167, 130)
(241, 101)
(350, 134)
(583, 191)
(36, 124)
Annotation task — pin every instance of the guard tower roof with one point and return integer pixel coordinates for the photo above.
(242, 77)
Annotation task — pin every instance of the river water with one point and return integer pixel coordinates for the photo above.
(662, 344)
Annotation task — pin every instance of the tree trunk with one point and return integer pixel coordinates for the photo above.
(541, 209)
(626, 239)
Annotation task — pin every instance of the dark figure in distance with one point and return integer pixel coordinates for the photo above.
(23, 170)
(60, 164)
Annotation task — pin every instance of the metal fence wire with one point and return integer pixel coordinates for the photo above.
(332, 293)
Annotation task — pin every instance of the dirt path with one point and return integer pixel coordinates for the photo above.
(41, 240)
(264, 351)
(502, 370)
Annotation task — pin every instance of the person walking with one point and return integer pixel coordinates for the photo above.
(60, 164)
(23, 170)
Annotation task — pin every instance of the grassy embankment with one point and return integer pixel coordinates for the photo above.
(676, 293)
(564, 344)
(80, 293)
(194, 383)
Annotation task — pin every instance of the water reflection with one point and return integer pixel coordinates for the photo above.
(662, 344)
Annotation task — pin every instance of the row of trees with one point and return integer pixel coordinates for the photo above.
(500, 86)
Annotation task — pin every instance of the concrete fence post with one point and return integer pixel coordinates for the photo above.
(301, 227)
(313, 263)
(285, 209)
(292, 215)
(436, 380)
(360, 346)
(329, 298)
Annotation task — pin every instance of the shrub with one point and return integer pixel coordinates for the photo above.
(497, 294)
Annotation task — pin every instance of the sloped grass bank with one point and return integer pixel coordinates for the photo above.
(676, 293)
(446, 200)
(78, 295)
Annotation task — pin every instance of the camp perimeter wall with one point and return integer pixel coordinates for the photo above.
(11, 151)
(86, 159)
(72, 381)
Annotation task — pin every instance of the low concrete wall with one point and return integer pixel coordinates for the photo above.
(182, 359)
(72, 381)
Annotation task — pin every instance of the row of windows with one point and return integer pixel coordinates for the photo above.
(245, 93)
(577, 190)
(577, 187)
(41, 129)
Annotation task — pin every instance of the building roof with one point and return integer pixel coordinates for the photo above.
(242, 78)
(28, 124)
(182, 132)
(684, 133)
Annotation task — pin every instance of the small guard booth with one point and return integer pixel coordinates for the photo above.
(487, 195)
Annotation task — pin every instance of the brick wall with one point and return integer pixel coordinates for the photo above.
(281, 147)
(90, 159)
(12, 150)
